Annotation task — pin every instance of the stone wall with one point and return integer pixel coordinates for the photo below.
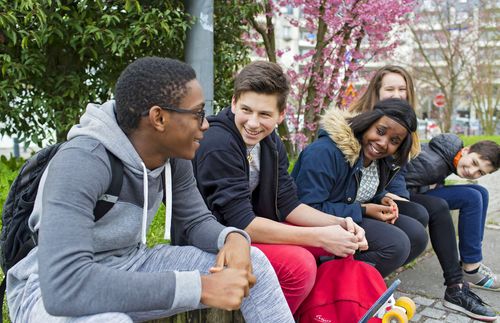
(204, 316)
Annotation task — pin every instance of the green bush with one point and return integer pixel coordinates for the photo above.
(9, 168)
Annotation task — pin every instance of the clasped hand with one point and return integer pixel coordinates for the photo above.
(231, 277)
(343, 239)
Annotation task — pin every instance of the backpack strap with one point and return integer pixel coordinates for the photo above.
(106, 202)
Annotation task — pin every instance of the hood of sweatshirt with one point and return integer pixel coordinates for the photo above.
(335, 125)
(225, 119)
(99, 122)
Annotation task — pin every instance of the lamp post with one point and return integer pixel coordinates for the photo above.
(199, 50)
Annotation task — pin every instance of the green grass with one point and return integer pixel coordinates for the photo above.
(469, 140)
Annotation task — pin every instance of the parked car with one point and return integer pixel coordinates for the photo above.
(465, 126)
(428, 128)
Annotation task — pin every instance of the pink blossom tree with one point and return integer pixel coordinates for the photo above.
(348, 33)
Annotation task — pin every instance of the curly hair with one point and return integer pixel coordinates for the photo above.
(265, 78)
(396, 109)
(147, 82)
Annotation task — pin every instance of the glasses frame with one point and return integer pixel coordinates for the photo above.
(199, 114)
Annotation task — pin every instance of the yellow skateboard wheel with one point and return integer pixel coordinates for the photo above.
(395, 315)
(408, 304)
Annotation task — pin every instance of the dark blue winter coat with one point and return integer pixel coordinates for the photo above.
(328, 171)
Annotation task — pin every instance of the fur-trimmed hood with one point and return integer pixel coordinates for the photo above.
(334, 123)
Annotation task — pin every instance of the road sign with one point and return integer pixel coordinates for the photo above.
(439, 100)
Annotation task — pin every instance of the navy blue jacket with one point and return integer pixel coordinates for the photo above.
(328, 172)
(222, 172)
(398, 184)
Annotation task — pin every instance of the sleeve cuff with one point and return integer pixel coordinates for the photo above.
(187, 289)
(223, 235)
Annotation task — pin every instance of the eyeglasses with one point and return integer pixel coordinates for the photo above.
(200, 114)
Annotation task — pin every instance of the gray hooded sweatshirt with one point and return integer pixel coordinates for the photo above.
(86, 267)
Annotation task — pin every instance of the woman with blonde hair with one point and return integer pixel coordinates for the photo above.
(397, 84)
(390, 81)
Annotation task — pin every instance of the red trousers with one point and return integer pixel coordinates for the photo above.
(295, 267)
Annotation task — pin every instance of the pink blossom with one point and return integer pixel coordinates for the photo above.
(327, 76)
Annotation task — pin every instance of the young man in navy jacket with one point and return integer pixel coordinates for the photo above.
(242, 172)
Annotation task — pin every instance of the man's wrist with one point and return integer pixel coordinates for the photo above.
(236, 235)
(228, 230)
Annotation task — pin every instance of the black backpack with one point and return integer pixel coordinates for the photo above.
(16, 239)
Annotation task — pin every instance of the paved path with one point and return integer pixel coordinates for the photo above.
(424, 282)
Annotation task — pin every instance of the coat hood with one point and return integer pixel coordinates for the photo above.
(334, 123)
(225, 119)
(99, 122)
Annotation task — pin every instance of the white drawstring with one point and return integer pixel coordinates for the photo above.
(145, 204)
(168, 199)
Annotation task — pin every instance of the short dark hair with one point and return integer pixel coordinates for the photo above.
(487, 150)
(398, 110)
(265, 78)
(147, 82)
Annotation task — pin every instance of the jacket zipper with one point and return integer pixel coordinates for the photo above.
(394, 171)
(276, 184)
(356, 177)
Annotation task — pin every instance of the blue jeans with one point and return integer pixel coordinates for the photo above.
(472, 202)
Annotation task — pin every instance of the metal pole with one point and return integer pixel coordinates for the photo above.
(199, 50)
(16, 147)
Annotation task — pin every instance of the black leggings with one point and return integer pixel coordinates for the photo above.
(442, 234)
(391, 246)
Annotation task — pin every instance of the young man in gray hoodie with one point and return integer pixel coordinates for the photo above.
(102, 271)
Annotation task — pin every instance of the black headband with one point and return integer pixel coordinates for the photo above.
(399, 111)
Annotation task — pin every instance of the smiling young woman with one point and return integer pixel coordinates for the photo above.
(345, 172)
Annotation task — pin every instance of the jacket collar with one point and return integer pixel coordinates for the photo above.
(336, 126)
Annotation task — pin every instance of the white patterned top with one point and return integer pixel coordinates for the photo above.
(369, 183)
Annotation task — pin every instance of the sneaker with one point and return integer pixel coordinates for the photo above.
(463, 300)
(484, 278)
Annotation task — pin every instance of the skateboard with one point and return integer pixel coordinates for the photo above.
(389, 309)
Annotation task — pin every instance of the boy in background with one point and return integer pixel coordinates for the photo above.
(442, 156)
